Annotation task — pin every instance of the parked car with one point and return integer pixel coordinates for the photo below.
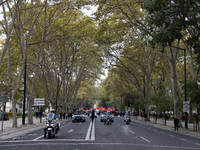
(78, 116)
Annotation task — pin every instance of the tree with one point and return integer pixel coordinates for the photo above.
(167, 21)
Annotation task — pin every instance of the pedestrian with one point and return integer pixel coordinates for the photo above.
(70, 115)
(183, 117)
(92, 116)
(176, 121)
(36, 114)
(145, 117)
(64, 115)
(160, 116)
(60, 116)
(43, 114)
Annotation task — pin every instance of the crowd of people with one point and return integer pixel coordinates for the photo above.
(62, 115)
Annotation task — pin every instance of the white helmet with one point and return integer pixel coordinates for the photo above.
(52, 110)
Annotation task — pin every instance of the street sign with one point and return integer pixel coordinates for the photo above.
(3, 99)
(186, 106)
(38, 102)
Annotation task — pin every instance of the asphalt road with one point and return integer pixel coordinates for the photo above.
(97, 136)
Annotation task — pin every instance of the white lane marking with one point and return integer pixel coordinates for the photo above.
(118, 124)
(38, 138)
(171, 135)
(81, 144)
(145, 139)
(184, 139)
(45, 140)
(71, 130)
(162, 132)
(88, 132)
(131, 131)
(93, 132)
(197, 144)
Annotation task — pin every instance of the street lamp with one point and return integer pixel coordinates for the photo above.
(186, 122)
(23, 116)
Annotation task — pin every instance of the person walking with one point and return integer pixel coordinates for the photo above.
(145, 117)
(160, 116)
(64, 116)
(176, 121)
(60, 117)
(70, 115)
(92, 116)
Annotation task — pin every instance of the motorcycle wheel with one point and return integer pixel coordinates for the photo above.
(49, 134)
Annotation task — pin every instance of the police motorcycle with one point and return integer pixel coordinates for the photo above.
(127, 119)
(52, 127)
(107, 120)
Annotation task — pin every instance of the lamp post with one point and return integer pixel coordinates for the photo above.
(186, 122)
(24, 100)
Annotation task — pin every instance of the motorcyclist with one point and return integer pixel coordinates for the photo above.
(54, 116)
(127, 115)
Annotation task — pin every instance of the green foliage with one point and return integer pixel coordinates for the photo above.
(168, 19)
(161, 100)
(193, 91)
(138, 105)
(103, 102)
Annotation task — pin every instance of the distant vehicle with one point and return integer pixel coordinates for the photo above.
(78, 116)
(102, 115)
(151, 112)
(108, 113)
(107, 120)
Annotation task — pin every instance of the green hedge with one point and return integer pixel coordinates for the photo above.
(18, 115)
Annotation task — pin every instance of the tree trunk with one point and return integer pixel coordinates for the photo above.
(14, 113)
(29, 106)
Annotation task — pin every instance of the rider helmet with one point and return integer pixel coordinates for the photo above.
(52, 110)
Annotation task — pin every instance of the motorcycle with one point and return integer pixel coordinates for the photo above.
(127, 120)
(107, 120)
(52, 127)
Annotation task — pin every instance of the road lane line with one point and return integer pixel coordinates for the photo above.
(171, 135)
(38, 138)
(88, 132)
(145, 139)
(97, 144)
(184, 139)
(71, 130)
(162, 132)
(131, 131)
(93, 133)
(197, 144)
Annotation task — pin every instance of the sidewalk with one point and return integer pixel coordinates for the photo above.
(9, 131)
(170, 126)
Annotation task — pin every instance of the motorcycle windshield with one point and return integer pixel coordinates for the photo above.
(50, 116)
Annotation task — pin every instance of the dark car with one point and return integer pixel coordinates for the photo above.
(78, 116)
